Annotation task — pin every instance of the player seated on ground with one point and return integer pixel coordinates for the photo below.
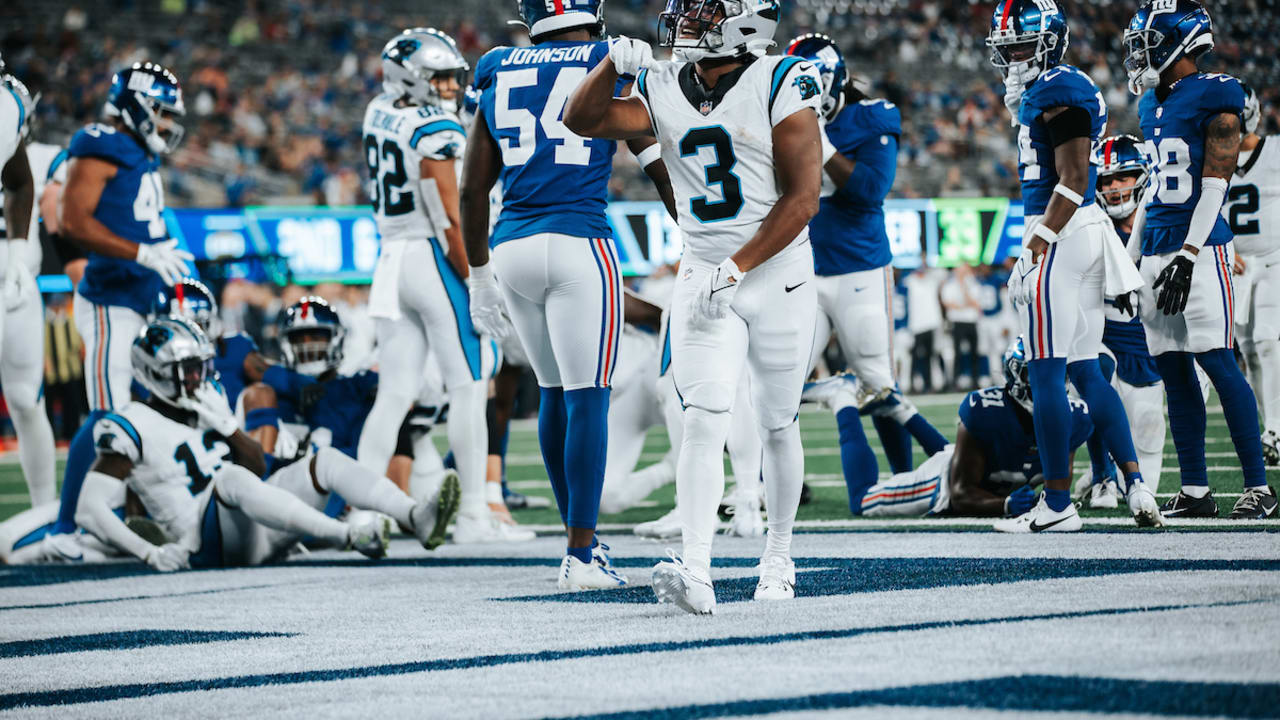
(199, 475)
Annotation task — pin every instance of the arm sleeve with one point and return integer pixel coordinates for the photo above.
(874, 171)
(114, 433)
(794, 87)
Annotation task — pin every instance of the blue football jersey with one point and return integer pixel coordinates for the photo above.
(131, 206)
(552, 180)
(848, 233)
(1175, 133)
(229, 362)
(1008, 444)
(900, 317)
(990, 296)
(339, 406)
(1062, 86)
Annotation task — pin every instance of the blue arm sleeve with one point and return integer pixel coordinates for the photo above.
(872, 178)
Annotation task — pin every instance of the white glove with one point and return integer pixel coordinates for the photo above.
(488, 309)
(629, 55)
(168, 557)
(166, 259)
(1022, 281)
(1013, 96)
(210, 405)
(716, 295)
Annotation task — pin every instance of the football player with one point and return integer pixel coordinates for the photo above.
(21, 310)
(1063, 272)
(992, 467)
(1192, 122)
(198, 474)
(1253, 212)
(740, 137)
(113, 206)
(852, 260)
(554, 265)
(419, 300)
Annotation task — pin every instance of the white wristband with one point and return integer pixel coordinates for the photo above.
(481, 273)
(1042, 231)
(1071, 195)
(648, 155)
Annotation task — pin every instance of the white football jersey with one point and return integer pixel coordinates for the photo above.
(1252, 208)
(172, 461)
(719, 151)
(12, 114)
(396, 139)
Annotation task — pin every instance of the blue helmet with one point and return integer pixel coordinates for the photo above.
(1161, 33)
(1116, 156)
(191, 299)
(172, 357)
(550, 16)
(1017, 378)
(1033, 32)
(311, 336)
(832, 71)
(141, 96)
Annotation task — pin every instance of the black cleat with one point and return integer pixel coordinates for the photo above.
(1254, 504)
(1183, 505)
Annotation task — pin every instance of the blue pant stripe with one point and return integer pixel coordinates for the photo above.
(604, 314)
(460, 300)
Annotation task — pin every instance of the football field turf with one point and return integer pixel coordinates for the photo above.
(942, 621)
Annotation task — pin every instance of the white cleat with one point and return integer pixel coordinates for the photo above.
(431, 517)
(1041, 519)
(664, 528)
(488, 528)
(62, 548)
(1142, 503)
(600, 556)
(839, 390)
(688, 588)
(368, 533)
(745, 519)
(576, 575)
(777, 578)
(1104, 495)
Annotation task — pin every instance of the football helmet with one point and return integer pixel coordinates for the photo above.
(172, 358)
(1017, 378)
(1121, 155)
(311, 337)
(833, 73)
(139, 95)
(1028, 37)
(191, 299)
(26, 103)
(550, 16)
(699, 29)
(412, 60)
(1252, 109)
(1161, 33)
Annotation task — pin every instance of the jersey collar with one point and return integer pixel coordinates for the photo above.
(705, 100)
(1253, 158)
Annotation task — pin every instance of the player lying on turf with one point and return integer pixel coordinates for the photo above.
(198, 474)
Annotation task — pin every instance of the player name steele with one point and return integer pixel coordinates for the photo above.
(524, 56)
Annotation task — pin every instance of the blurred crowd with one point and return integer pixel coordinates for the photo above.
(276, 88)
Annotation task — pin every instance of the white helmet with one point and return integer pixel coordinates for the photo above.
(415, 57)
(745, 26)
(1252, 110)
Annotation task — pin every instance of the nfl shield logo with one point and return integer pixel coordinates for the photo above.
(705, 107)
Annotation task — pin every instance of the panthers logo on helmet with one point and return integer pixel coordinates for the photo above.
(403, 48)
(807, 85)
(155, 337)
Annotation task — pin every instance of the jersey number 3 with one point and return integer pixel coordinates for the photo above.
(719, 173)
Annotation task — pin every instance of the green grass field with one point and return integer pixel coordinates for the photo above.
(822, 468)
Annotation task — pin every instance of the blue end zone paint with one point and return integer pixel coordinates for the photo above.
(72, 696)
(124, 641)
(1029, 693)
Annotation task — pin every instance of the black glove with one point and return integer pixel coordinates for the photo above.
(1124, 303)
(1176, 279)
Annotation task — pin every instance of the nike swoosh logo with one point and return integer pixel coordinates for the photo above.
(859, 289)
(793, 287)
(1041, 528)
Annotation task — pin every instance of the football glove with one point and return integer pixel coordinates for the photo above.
(1022, 280)
(488, 309)
(210, 405)
(1019, 501)
(630, 55)
(716, 295)
(168, 557)
(1174, 284)
(166, 259)
(1124, 303)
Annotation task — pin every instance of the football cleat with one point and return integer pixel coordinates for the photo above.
(62, 548)
(1254, 504)
(835, 392)
(1271, 448)
(1183, 505)
(745, 519)
(688, 588)
(576, 575)
(664, 528)
(777, 578)
(520, 501)
(1041, 519)
(368, 533)
(431, 518)
(1105, 495)
(600, 556)
(1142, 503)
(488, 528)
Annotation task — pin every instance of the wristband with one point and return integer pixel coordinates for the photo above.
(1071, 195)
(481, 273)
(1185, 253)
(648, 155)
(1043, 231)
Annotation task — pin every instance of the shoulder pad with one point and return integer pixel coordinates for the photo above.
(106, 143)
(1221, 93)
(439, 137)
(880, 117)
(486, 66)
(1062, 86)
(115, 433)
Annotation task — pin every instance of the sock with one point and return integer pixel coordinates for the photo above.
(1105, 408)
(1266, 380)
(1195, 491)
(1057, 500)
(1241, 411)
(1099, 460)
(1186, 415)
(582, 553)
(857, 460)
(1052, 416)
(80, 457)
(552, 424)
(783, 480)
(700, 482)
(1130, 479)
(469, 443)
(275, 508)
(35, 450)
(335, 472)
(931, 441)
(585, 450)
(894, 438)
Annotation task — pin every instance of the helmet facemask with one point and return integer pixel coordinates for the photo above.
(172, 359)
(311, 350)
(425, 66)
(1121, 200)
(1023, 55)
(1017, 376)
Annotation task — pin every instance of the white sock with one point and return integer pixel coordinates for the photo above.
(783, 479)
(335, 472)
(700, 482)
(469, 440)
(275, 508)
(1195, 491)
(35, 451)
(1269, 374)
